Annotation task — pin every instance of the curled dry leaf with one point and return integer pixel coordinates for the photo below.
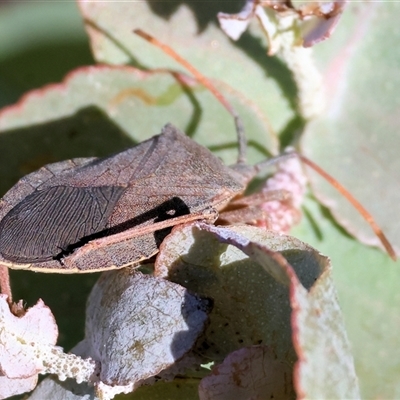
(21, 338)
(137, 326)
(320, 20)
(317, 20)
(283, 26)
(27, 348)
(248, 373)
(236, 24)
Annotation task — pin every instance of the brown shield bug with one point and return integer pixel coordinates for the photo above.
(87, 215)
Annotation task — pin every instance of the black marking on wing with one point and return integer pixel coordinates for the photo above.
(52, 219)
(172, 208)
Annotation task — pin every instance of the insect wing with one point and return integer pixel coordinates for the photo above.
(47, 226)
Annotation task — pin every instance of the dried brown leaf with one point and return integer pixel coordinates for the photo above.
(22, 338)
(317, 20)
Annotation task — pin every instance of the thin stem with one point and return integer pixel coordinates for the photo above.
(355, 203)
(5, 286)
(340, 188)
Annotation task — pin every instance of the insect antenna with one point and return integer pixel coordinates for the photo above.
(242, 141)
(264, 164)
(340, 188)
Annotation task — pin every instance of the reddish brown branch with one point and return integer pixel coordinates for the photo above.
(5, 286)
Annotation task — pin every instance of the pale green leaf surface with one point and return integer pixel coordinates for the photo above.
(358, 141)
(39, 43)
(243, 65)
(24, 27)
(96, 109)
(250, 306)
(326, 366)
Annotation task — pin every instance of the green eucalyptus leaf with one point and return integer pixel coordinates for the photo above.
(138, 325)
(52, 388)
(367, 285)
(192, 30)
(38, 45)
(97, 110)
(297, 319)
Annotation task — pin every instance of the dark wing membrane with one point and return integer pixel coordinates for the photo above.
(49, 221)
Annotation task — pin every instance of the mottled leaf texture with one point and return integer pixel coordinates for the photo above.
(325, 368)
(263, 298)
(138, 325)
(52, 389)
(248, 373)
(251, 306)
